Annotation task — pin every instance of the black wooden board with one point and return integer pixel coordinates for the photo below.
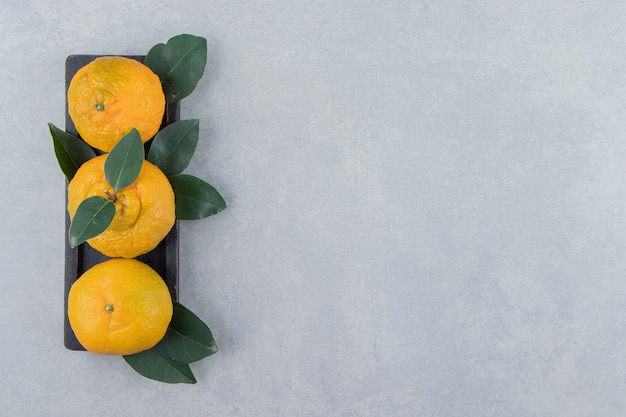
(163, 259)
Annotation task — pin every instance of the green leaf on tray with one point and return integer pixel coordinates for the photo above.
(172, 148)
(194, 198)
(92, 217)
(179, 64)
(124, 162)
(154, 366)
(187, 339)
(71, 152)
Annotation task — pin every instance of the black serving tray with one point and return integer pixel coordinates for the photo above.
(163, 259)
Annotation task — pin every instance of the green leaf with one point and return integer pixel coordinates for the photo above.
(124, 162)
(154, 366)
(194, 198)
(179, 64)
(71, 152)
(92, 217)
(172, 148)
(187, 339)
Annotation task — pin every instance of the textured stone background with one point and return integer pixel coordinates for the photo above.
(427, 212)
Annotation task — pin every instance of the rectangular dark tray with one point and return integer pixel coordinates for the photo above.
(163, 259)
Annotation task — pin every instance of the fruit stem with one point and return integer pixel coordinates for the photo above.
(111, 197)
(109, 307)
(100, 107)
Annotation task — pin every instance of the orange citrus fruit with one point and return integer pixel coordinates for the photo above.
(145, 210)
(110, 96)
(119, 307)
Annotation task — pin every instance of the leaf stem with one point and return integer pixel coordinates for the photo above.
(111, 197)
